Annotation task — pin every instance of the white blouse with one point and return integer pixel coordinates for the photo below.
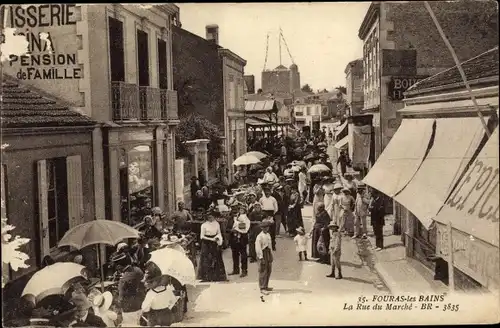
(210, 229)
(159, 298)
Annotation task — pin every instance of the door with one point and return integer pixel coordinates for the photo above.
(75, 192)
(43, 208)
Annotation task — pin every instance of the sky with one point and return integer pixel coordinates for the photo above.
(322, 37)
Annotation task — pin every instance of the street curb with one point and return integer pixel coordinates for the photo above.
(382, 276)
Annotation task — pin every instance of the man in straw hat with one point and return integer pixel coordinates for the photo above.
(335, 250)
(263, 246)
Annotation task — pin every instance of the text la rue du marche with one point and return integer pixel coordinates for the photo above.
(39, 23)
(402, 303)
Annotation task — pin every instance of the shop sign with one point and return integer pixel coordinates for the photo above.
(52, 43)
(474, 257)
(399, 85)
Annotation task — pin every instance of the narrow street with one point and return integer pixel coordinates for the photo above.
(301, 289)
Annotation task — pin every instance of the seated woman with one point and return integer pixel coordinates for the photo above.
(160, 299)
(211, 266)
(151, 231)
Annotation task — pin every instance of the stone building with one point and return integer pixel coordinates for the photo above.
(402, 46)
(354, 85)
(281, 80)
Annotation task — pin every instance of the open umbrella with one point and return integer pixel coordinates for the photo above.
(257, 154)
(246, 160)
(317, 168)
(98, 232)
(51, 279)
(175, 264)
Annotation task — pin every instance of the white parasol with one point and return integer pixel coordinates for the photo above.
(246, 160)
(175, 264)
(257, 154)
(317, 168)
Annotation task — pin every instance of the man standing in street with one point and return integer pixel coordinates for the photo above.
(377, 213)
(264, 256)
(270, 209)
(256, 217)
(335, 250)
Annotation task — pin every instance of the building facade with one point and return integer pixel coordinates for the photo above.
(402, 46)
(234, 106)
(281, 80)
(452, 157)
(250, 83)
(308, 115)
(354, 85)
(112, 63)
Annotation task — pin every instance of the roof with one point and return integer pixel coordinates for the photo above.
(257, 121)
(260, 105)
(281, 67)
(482, 66)
(21, 106)
(369, 19)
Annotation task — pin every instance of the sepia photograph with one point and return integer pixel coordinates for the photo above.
(250, 164)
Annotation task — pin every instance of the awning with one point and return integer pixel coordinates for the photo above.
(401, 158)
(342, 143)
(340, 129)
(473, 206)
(455, 141)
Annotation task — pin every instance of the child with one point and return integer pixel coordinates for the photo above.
(239, 242)
(301, 243)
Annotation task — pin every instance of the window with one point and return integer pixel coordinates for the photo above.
(57, 200)
(3, 210)
(116, 50)
(136, 184)
(143, 57)
(308, 110)
(60, 199)
(162, 64)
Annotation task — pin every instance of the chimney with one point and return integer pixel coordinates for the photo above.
(212, 32)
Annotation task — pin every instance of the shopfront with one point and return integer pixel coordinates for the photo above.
(134, 160)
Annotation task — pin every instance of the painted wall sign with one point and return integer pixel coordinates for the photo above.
(399, 85)
(472, 256)
(46, 30)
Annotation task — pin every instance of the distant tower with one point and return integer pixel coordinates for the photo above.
(294, 78)
(212, 33)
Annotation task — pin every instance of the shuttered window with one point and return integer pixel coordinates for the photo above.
(5, 267)
(60, 199)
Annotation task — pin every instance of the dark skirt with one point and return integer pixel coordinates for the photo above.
(317, 232)
(163, 317)
(211, 266)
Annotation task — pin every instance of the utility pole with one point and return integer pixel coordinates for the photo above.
(279, 41)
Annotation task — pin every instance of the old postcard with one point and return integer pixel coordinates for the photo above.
(250, 164)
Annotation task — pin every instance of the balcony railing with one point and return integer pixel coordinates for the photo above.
(124, 101)
(150, 102)
(131, 102)
(169, 105)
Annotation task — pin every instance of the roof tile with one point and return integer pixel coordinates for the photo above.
(22, 107)
(484, 65)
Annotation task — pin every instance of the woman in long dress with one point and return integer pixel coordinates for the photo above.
(211, 266)
(319, 195)
(320, 228)
(347, 204)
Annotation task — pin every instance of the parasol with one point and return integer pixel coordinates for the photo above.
(246, 160)
(175, 264)
(257, 154)
(51, 279)
(317, 168)
(98, 232)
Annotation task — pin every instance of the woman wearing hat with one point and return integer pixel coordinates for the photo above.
(211, 264)
(347, 205)
(101, 302)
(159, 300)
(320, 230)
(337, 193)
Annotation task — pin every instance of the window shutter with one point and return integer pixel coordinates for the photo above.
(43, 208)
(75, 193)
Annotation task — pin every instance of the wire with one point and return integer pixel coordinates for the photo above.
(286, 45)
(459, 66)
(267, 48)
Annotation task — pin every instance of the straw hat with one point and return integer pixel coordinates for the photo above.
(300, 229)
(102, 302)
(333, 225)
(121, 246)
(338, 185)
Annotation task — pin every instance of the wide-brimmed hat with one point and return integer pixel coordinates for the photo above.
(333, 225)
(346, 190)
(300, 229)
(102, 302)
(361, 185)
(338, 185)
(121, 246)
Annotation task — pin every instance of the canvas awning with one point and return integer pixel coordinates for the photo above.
(402, 157)
(455, 142)
(473, 206)
(342, 143)
(340, 129)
